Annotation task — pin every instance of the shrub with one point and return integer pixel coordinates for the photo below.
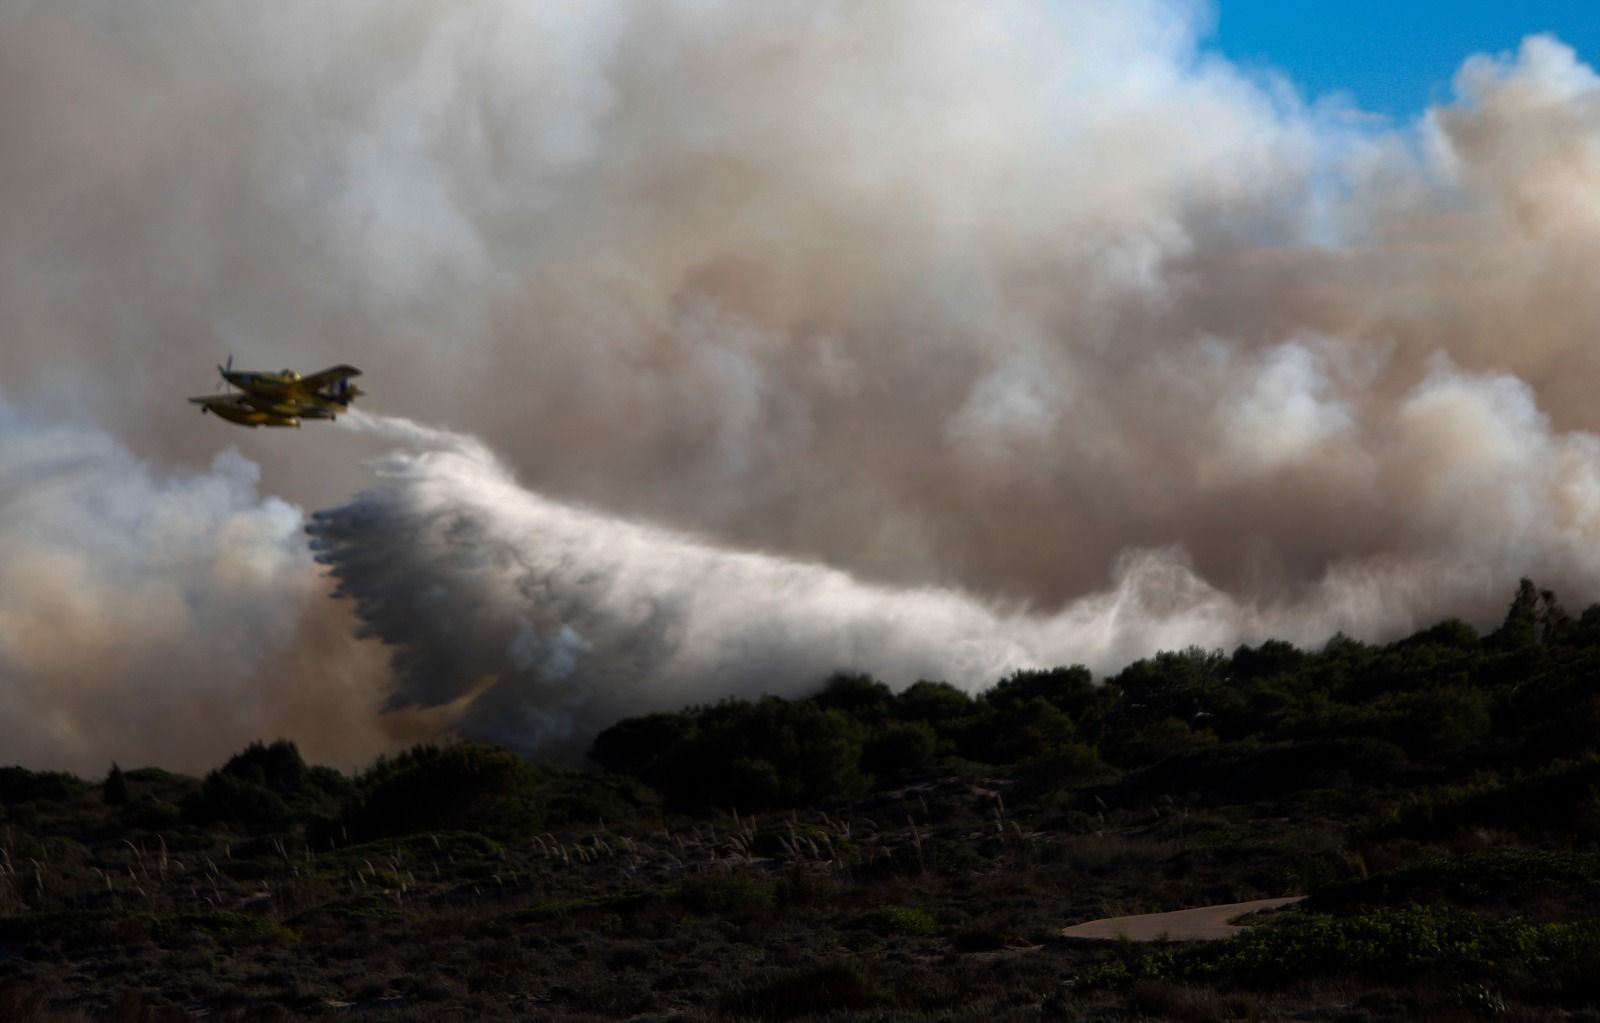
(739, 896)
(752, 756)
(226, 797)
(469, 786)
(1254, 770)
(1499, 876)
(1558, 800)
(899, 748)
(637, 746)
(861, 696)
(934, 702)
(20, 785)
(83, 929)
(1069, 764)
(1071, 690)
(814, 990)
(911, 920)
(1274, 657)
(1438, 721)
(1135, 743)
(1026, 731)
(267, 787)
(1391, 945)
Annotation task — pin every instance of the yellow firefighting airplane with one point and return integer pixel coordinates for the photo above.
(282, 399)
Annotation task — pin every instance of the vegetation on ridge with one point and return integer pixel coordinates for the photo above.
(865, 853)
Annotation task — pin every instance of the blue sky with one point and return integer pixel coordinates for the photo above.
(1393, 57)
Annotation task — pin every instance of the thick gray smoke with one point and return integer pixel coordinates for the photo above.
(171, 618)
(1055, 337)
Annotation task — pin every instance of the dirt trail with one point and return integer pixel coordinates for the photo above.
(1200, 924)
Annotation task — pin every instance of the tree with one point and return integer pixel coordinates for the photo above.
(1071, 689)
(637, 746)
(861, 696)
(1181, 685)
(899, 747)
(1274, 657)
(934, 702)
(115, 789)
(1533, 617)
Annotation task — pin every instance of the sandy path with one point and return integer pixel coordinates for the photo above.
(1184, 925)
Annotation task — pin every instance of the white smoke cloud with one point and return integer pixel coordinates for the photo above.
(1035, 317)
(148, 616)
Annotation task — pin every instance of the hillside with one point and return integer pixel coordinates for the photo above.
(867, 854)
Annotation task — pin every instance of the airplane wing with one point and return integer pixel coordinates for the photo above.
(213, 400)
(328, 377)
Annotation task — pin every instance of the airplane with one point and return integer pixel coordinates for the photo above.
(282, 399)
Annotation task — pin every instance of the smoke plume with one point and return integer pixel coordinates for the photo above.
(167, 618)
(925, 338)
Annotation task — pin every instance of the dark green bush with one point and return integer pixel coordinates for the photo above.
(899, 748)
(1390, 945)
(468, 786)
(812, 991)
(1071, 690)
(934, 702)
(1497, 877)
(84, 929)
(908, 920)
(748, 756)
(636, 746)
(20, 785)
(267, 787)
(861, 696)
(1558, 801)
(1244, 771)
(1437, 721)
(739, 896)
(226, 797)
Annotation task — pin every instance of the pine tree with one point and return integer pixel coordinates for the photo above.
(115, 789)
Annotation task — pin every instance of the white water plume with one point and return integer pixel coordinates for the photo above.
(562, 619)
(546, 621)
